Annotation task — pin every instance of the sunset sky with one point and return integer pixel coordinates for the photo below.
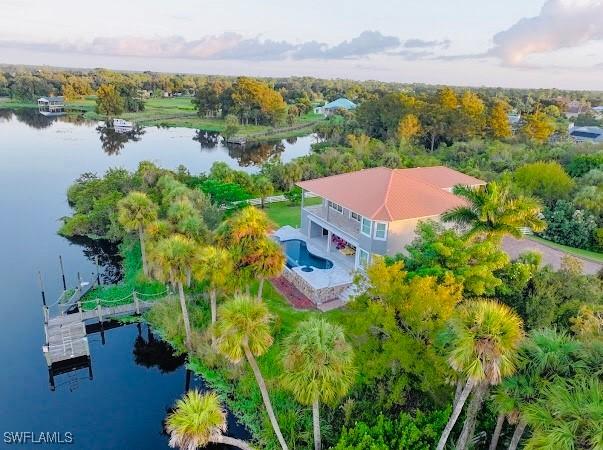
(516, 43)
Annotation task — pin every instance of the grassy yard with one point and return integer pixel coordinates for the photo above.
(586, 254)
(283, 213)
(8, 103)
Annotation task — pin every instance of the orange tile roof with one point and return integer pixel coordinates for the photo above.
(393, 194)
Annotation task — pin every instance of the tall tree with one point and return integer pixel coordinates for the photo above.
(544, 356)
(319, 366)
(266, 260)
(241, 234)
(482, 339)
(538, 127)
(214, 267)
(172, 261)
(408, 127)
(108, 101)
(135, 212)
(243, 331)
(500, 127)
(472, 110)
(494, 211)
(447, 98)
(263, 187)
(198, 420)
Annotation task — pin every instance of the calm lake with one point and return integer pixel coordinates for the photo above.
(134, 378)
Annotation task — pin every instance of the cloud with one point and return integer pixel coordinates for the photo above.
(420, 43)
(225, 46)
(560, 24)
(367, 43)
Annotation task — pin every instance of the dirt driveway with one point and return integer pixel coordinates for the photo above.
(514, 247)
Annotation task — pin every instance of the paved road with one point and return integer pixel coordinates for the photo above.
(514, 247)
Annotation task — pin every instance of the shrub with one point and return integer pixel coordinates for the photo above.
(420, 432)
(569, 226)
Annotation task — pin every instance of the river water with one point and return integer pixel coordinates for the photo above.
(135, 380)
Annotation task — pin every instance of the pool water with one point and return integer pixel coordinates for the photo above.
(298, 255)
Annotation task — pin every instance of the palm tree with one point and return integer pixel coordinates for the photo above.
(319, 366)
(134, 213)
(243, 331)
(264, 188)
(240, 235)
(493, 211)
(568, 416)
(545, 355)
(214, 267)
(197, 420)
(173, 260)
(267, 260)
(483, 339)
(509, 398)
(187, 219)
(244, 227)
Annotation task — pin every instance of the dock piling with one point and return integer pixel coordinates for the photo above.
(42, 288)
(62, 273)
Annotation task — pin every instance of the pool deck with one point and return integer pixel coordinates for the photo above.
(340, 274)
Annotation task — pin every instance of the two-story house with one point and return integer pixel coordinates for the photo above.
(376, 211)
(347, 219)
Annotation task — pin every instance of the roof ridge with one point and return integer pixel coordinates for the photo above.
(386, 196)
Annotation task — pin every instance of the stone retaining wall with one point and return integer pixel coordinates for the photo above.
(317, 296)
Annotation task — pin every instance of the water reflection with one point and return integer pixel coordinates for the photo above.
(113, 141)
(255, 154)
(104, 252)
(33, 118)
(153, 352)
(207, 139)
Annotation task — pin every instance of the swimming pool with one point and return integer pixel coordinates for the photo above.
(298, 255)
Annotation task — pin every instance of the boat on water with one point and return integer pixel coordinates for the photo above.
(122, 125)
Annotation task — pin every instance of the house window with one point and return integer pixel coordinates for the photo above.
(355, 216)
(381, 231)
(336, 207)
(366, 227)
(363, 258)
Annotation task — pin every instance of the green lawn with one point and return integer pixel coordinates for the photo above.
(180, 112)
(7, 103)
(586, 254)
(283, 213)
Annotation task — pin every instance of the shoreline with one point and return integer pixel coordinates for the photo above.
(250, 133)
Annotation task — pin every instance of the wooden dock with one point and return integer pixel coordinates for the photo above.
(66, 336)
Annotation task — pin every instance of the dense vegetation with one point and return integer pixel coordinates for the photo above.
(452, 343)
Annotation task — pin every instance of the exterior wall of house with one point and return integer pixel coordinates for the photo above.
(402, 232)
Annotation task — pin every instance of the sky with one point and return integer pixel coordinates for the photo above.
(511, 43)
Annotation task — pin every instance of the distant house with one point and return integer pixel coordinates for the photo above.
(586, 134)
(361, 215)
(514, 119)
(598, 111)
(51, 105)
(334, 106)
(575, 108)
